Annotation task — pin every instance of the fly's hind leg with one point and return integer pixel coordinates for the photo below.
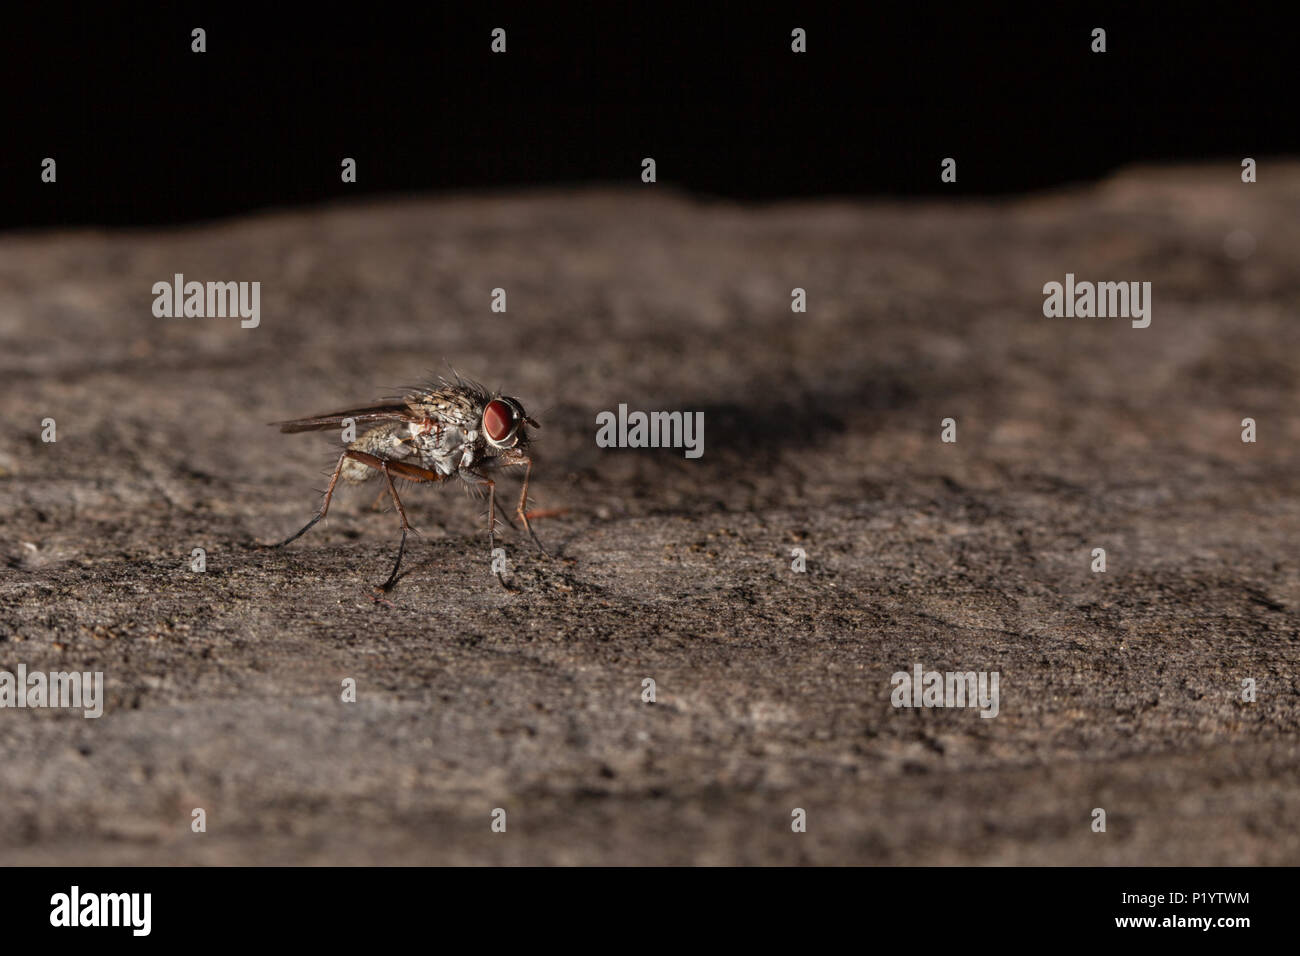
(324, 506)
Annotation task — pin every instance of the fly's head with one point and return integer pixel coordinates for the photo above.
(505, 428)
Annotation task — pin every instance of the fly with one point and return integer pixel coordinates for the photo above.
(449, 430)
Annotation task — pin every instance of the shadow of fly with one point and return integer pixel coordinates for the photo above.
(449, 430)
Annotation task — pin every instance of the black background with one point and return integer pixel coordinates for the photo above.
(779, 909)
(145, 131)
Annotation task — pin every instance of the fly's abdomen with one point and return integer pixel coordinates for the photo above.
(385, 441)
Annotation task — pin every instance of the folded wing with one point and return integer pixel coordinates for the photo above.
(399, 412)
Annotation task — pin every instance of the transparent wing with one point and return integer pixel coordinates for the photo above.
(371, 413)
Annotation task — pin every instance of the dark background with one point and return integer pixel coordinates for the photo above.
(146, 132)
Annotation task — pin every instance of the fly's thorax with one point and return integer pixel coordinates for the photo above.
(446, 448)
(448, 406)
(469, 424)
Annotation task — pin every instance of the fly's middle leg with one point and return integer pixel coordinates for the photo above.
(402, 470)
(387, 468)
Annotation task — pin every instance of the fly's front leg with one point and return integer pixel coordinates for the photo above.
(474, 478)
(522, 510)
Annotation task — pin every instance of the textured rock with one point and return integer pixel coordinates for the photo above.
(1118, 690)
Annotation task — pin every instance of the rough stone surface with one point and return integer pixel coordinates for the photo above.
(1118, 690)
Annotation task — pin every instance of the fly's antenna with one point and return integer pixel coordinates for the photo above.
(540, 418)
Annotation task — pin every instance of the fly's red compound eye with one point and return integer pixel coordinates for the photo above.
(498, 420)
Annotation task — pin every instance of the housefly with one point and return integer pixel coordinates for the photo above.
(452, 429)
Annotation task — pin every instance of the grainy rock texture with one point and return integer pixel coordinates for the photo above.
(1119, 690)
